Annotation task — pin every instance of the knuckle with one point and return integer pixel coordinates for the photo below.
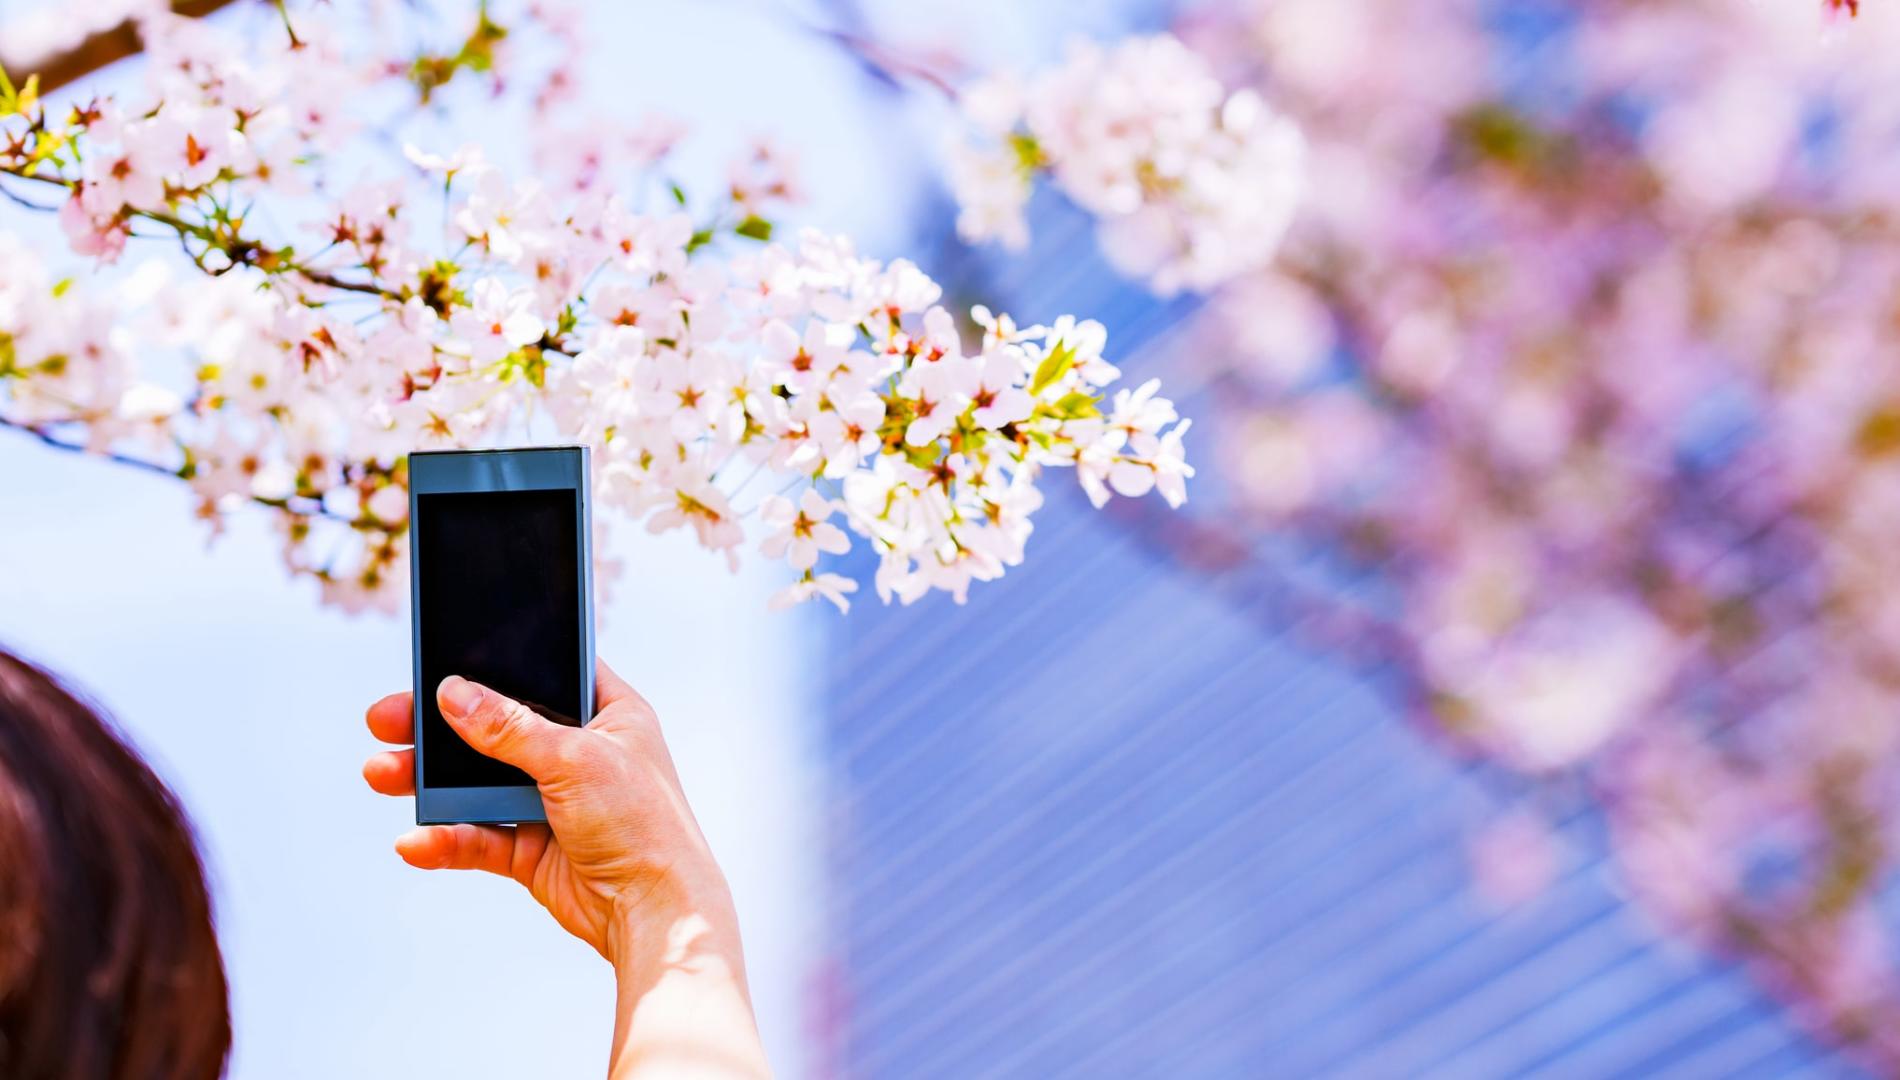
(512, 721)
(490, 720)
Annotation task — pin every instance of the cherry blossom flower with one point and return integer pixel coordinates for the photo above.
(704, 508)
(497, 321)
(1193, 185)
(801, 531)
(998, 398)
(847, 432)
(691, 359)
(832, 587)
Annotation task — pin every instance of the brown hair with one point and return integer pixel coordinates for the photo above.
(109, 968)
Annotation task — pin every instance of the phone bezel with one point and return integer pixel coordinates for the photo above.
(545, 468)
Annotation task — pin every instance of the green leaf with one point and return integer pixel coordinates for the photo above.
(755, 227)
(478, 52)
(1077, 405)
(700, 239)
(1053, 367)
(679, 193)
(969, 437)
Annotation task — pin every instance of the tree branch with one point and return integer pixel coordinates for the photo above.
(97, 51)
(888, 65)
(300, 505)
(239, 250)
(48, 438)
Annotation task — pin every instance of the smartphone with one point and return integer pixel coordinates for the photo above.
(501, 592)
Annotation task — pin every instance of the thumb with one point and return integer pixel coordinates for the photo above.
(499, 726)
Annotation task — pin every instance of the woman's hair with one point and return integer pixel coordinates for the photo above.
(109, 967)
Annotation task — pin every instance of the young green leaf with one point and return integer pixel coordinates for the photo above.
(755, 227)
(1077, 405)
(1053, 367)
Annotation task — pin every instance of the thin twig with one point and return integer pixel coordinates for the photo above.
(48, 438)
(240, 251)
(284, 13)
(299, 505)
(21, 200)
(887, 63)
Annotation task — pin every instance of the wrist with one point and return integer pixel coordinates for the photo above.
(682, 914)
(683, 1006)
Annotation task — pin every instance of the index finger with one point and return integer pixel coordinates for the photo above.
(393, 719)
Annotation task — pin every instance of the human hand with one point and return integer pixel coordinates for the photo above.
(621, 863)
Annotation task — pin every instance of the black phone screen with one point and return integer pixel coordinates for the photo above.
(500, 603)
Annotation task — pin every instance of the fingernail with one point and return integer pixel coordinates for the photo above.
(459, 696)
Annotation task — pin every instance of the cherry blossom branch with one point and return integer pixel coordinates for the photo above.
(98, 50)
(47, 438)
(303, 507)
(22, 201)
(238, 249)
(638, 332)
(887, 63)
(891, 65)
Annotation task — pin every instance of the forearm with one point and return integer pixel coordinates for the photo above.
(682, 1007)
